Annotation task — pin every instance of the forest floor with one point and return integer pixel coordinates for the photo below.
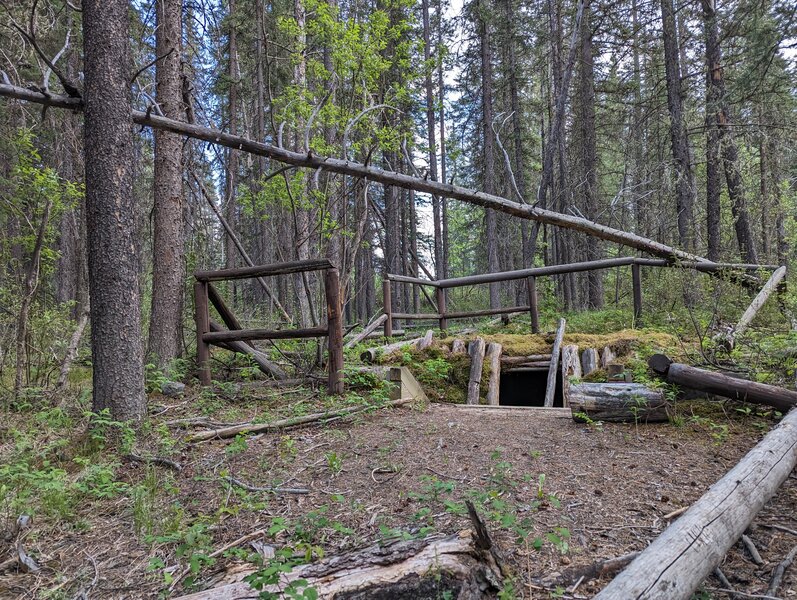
(555, 493)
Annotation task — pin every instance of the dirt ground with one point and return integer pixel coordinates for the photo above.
(586, 492)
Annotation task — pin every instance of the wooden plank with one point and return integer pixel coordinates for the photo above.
(202, 319)
(493, 358)
(335, 331)
(285, 268)
(264, 334)
(373, 326)
(678, 561)
(476, 351)
(550, 389)
(227, 316)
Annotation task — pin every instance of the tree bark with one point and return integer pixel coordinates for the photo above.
(168, 260)
(589, 153)
(685, 187)
(489, 146)
(117, 354)
(688, 551)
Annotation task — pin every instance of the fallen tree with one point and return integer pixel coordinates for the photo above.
(688, 551)
(464, 566)
(723, 385)
(370, 173)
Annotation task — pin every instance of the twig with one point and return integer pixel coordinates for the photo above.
(724, 581)
(233, 544)
(742, 594)
(149, 64)
(271, 490)
(677, 512)
(779, 528)
(229, 432)
(155, 460)
(748, 543)
(780, 570)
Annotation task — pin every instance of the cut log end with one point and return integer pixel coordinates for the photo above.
(659, 363)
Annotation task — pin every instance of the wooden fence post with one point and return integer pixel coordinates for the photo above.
(636, 277)
(531, 286)
(202, 317)
(440, 294)
(388, 310)
(335, 331)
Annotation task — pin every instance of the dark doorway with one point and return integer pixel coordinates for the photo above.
(526, 387)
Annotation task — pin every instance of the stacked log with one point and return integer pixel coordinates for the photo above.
(617, 402)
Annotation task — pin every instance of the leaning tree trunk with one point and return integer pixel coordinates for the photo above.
(117, 354)
(168, 272)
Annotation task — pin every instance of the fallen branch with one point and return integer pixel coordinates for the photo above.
(155, 460)
(365, 332)
(270, 490)
(780, 571)
(228, 432)
(595, 570)
(723, 385)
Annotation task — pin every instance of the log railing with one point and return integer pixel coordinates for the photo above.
(530, 275)
(208, 333)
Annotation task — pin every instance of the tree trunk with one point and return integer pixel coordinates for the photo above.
(441, 118)
(430, 132)
(168, 260)
(681, 152)
(489, 147)
(730, 154)
(117, 354)
(589, 153)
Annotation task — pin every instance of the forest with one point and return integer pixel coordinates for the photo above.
(350, 299)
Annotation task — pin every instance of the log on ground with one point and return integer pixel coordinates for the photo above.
(370, 355)
(617, 402)
(688, 551)
(456, 566)
(723, 385)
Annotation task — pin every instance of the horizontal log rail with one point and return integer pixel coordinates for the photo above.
(284, 268)
(235, 337)
(245, 335)
(530, 276)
